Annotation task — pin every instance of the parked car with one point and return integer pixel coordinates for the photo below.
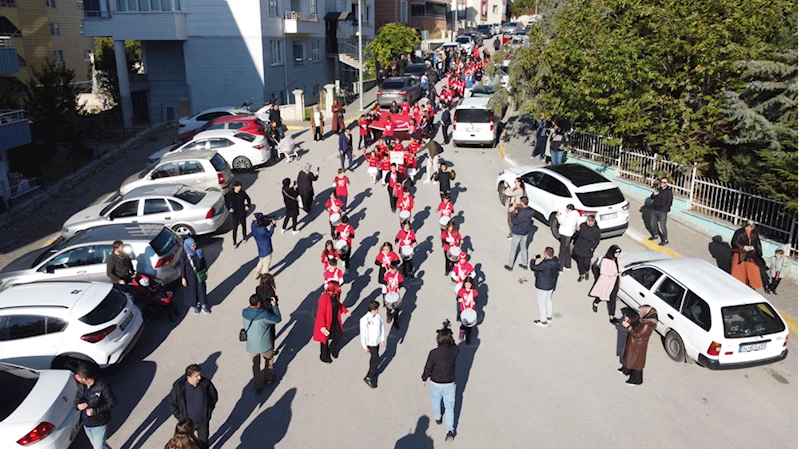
(496, 28)
(153, 249)
(473, 123)
(399, 89)
(704, 314)
(520, 37)
(417, 70)
(477, 38)
(466, 43)
(486, 30)
(244, 123)
(181, 208)
(551, 188)
(201, 118)
(511, 28)
(202, 170)
(55, 324)
(38, 407)
(241, 150)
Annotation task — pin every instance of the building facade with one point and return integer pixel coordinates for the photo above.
(471, 13)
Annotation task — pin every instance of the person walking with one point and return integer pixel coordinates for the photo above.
(557, 139)
(274, 116)
(639, 329)
(340, 184)
(328, 328)
(406, 238)
(540, 145)
(514, 195)
(184, 437)
(263, 228)
(662, 198)
(318, 124)
(335, 108)
(567, 226)
(305, 181)
(95, 405)
(373, 336)
(345, 231)
(395, 180)
(444, 177)
(194, 397)
(363, 132)
(450, 237)
(194, 272)
(238, 204)
(273, 135)
(546, 279)
(607, 285)
(521, 217)
(776, 271)
(446, 122)
(746, 253)
(345, 148)
(267, 291)
(258, 325)
(588, 237)
(439, 374)
(291, 201)
(433, 150)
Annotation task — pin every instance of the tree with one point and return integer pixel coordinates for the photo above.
(106, 66)
(392, 40)
(51, 101)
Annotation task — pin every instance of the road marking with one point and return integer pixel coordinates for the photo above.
(50, 242)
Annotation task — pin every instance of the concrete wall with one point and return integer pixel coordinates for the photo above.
(166, 73)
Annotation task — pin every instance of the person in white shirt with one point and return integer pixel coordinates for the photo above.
(372, 337)
(567, 220)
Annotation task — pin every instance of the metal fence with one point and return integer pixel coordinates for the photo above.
(18, 194)
(706, 196)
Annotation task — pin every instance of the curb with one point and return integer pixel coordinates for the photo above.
(297, 128)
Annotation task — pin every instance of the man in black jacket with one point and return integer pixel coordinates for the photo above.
(95, 405)
(446, 122)
(238, 203)
(662, 198)
(118, 266)
(194, 398)
(546, 279)
(521, 220)
(439, 370)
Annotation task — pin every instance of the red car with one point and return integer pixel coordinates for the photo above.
(245, 123)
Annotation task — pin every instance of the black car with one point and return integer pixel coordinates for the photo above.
(485, 30)
(417, 70)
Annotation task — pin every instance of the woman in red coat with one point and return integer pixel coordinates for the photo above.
(329, 328)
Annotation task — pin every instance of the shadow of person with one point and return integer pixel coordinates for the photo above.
(721, 252)
(359, 198)
(160, 413)
(300, 323)
(316, 209)
(358, 258)
(456, 190)
(463, 367)
(212, 247)
(422, 251)
(223, 289)
(248, 401)
(275, 418)
(467, 244)
(397, 336)
(356, 287)
(302, 245)
(459, 219)
(419, 438)
(355, 219)
(420, 217)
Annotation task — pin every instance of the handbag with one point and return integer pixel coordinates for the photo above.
(243, 332)
(202, 275)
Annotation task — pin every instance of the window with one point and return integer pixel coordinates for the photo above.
(404, 11)
(199, 145)
(533, 178)
(165, 171)
(236, 125)
(315, 90)
(175, 205)
(313, 7)
(417, 10)
(9, 3)
(315, 54)
(495, 9)
(87, 55)
(556, 187)
(148, 5)
(472, 116)
(216, 126)
(25, 326)
(601, 198)
(155, 206)
(49, 3)
(126, 209)
(99, 254)
(219, 143)
(210, 116)
(298, 50)
(190, 196)
(367, 14)
(245, 136)
(272, 7)
(191, 167)
(77, 257)
(646, 276)
(218, 162)
(55, 325)
(697, 310)
(276, 49)
(80, 5)
(58, 57)
(671, 293)
(751, 320)
(54, 30)
(113, 304)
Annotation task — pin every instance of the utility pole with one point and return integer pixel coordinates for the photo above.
(360, 53)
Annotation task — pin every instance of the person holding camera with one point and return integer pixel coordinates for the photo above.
(547, 270)
(661, 198)
(439, 374)
(521, 218)
(262, 229)
(95, 405)
(514, 195)
(258, 322)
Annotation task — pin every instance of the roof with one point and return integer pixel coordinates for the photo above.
(188, 155)
(51, 294)
(577, 174)
(398, 78)
(109, 233)
(473, 102)
(154, 189)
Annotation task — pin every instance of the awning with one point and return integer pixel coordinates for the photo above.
(8, 29)
(339, 16)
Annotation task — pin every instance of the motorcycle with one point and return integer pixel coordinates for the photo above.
(153, 298)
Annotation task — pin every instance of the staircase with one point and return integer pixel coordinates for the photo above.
(348, 54)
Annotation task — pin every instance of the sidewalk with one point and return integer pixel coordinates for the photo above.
(516, 145)
(351, 111)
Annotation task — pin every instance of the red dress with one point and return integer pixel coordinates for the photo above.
(469, 297)
(341, 185)
(324, 317)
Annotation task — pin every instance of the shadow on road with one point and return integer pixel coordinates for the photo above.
(419, 439)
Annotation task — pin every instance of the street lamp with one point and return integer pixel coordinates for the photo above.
(360, 53)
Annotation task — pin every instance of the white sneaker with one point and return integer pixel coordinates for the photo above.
(282, 231)
(295, 232)
(426, 181)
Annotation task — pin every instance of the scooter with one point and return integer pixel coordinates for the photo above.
(153, 297)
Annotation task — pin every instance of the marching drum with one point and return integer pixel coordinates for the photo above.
(405, 215)
(469, 317)
(443, 221)
(342, 247)
(407, 252)
(453, 253)
(393, 300)
(335, 219)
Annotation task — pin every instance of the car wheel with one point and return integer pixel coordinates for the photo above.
(242, 163)
(183, 230)
(71, 361)
(674, 346)
(554, 225)
(501, 192)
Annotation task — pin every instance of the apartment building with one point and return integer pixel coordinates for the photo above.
(471, 13)
(47, 29)
(206, 53)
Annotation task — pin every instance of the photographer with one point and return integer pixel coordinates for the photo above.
(662, 198)
(546, 279)
(262, 229)
(521, 218)
(439, 372)
(258, 322)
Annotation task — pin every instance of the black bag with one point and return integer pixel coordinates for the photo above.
(243, 332)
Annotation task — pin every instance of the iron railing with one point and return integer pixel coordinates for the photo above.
(8, 116)
(302, 16)
(18, 194)
(97, 11)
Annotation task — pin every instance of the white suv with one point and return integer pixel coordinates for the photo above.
(551, 188)
(53, 324)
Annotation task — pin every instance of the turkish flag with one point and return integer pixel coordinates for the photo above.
(402, 124)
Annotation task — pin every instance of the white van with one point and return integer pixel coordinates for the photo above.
(704, 314)
(474, 123)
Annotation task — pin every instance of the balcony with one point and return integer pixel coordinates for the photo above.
(14, 129)
(303, 23)
(119, 21)
(9, 60)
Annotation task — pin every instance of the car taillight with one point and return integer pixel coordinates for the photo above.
(402, 92)
(221, 178)
(380, 94)
(39, 432)
(491, 119)
(259, 146)
(714, 348)
(583, 213)
(209, 214)
(626, 207)
(94, 337)
(167, 259)
(786, 340)
(454, 126)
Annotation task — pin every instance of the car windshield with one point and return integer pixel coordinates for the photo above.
(164, 242)
(218, 162)
(16, 383)
(472, 115)
(46, 254)
(463, 40)
(393, 84)
(108, 308)
(149, 168)
(751, 320)
(601, 198)
(190, 196)
(110, 206)
(483, 27)
(416, 69)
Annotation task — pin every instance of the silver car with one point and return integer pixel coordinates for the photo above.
(154, 250)
(183, 209)
(399, 89)
(202, 170)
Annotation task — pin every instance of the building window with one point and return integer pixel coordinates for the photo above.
(276, 48)
(54, 30)
(148, 5)
(49, 3)
(87, 55)
(404, 11)
(272, 7)
(367, 14)
(58, 57)
(10, 3)
(315, 54)
(495, 9)
(313, 7)
(315, 90)
(417, 10)
(80, 5)
(298, 51)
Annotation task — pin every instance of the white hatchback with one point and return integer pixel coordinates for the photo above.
(54, 324)
(704, 314)
(241, 150)
(201, 118)
(551, 188)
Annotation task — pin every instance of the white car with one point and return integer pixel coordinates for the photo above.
(199, 119)
(54, 324)
(551, 188)
(466, 43)
(704, 314)
(38, 408)
(241, 150)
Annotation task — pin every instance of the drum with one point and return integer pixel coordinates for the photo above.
(407, 252)
(443, 221)
(342, 247)
(453, 253)
(405, 215)
(458, 286)
(335, 219)
(393, 300)
(469, 317)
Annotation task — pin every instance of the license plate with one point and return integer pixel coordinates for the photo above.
(608, 216)
(751, 347)
(126, 321)
(471, 130)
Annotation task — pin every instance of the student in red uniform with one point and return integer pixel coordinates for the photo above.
(462, 270)
(405, 203)
(329, 253)
(363, 128)
(395, 181)
(373, 160)
(346, 232)
(467, 299)
(392, 283)
(388, 133)
(384, 259)
(406, 107)
(340, 183)
(450, 237)
(385, 167)
(410, 159)
(406, 237)
(416, 112)
(431, 111)
(333, 206)
(332, 273)
(445, 207)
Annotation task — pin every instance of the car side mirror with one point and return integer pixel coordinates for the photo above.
(625, 273)
(50, 269)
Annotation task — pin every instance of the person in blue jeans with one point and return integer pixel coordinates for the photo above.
(439, 374)
(557, 140)
(95, 405)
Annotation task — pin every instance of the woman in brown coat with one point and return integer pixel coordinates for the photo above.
(638, 332)
(335, 108)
